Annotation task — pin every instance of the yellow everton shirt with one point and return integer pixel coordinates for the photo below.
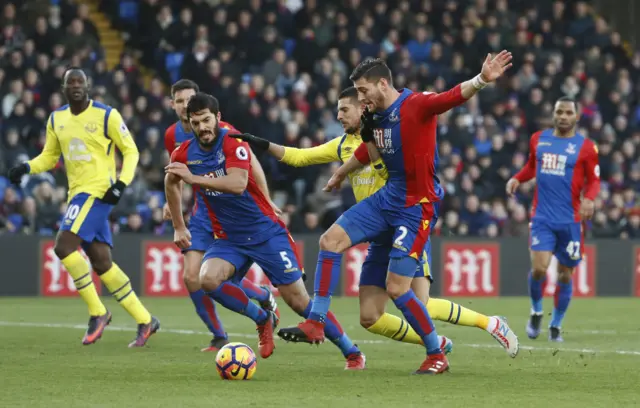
(364, 182)
(86, 143)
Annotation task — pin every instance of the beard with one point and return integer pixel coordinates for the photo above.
(216, 132)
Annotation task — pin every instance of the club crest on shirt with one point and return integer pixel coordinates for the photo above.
(571, 149)
(91, 127)
(393, 117)
(220, 157)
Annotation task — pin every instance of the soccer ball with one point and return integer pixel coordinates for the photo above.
(236, 361)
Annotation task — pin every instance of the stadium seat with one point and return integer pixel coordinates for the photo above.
(129, 10)
(144, 211)
(47, 232)
(159, 195)
(16, 220)
(4, 183)
(289, 46)
(173, 62)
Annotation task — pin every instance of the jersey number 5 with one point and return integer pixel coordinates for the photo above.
(285, 258)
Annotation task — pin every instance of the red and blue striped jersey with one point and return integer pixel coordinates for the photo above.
(566, 169)
(243, 218)
(406, 139)
(174, 136)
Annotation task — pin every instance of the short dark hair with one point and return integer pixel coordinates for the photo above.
(183, 84)
(569, 100)
(73, 68)
(371, 70)
(349, 93)
(201, 101)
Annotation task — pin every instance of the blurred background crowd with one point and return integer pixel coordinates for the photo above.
(277, 66)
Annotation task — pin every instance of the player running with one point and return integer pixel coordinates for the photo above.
(200, 232)
(245, 225)
(565, 166)
(403, 130)
(85, 132)
(373, 295)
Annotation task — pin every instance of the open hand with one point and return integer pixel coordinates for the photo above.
(494, 67)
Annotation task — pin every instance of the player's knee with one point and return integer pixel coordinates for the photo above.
(369, 318)
(564, 274)
(191, 280)
(101, 266)
(538, 271)
(62, 251)
(335, 240)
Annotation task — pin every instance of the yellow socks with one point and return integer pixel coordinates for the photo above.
(80, 271)
(447, 311)
(395, 328)
(118, 284)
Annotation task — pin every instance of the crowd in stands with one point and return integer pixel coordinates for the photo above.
(277, 67)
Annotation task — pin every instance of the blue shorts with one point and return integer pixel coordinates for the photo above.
(277, 257)
(374, 217)
(565, 241)
(88, 217)
(376, 265)
(201, 237)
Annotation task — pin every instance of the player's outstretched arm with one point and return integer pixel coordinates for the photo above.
(325, 153)
(492, 69)
(431, 103)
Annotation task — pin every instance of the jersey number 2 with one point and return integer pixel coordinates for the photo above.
(573, 249)
(403, 233)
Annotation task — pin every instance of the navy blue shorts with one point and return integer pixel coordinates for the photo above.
(405, 230)
(277, 257)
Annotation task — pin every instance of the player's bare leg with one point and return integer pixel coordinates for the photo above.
(297, 297)
(120, 287)
(415, 312)
(332, 244)
(540, 261)
(66, 248)
(205, 308)
(562, 299)
(214, 274)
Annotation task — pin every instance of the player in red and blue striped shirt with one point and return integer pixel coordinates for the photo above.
(565, 166)
(402, 130)
(200, 229)
(245, 225)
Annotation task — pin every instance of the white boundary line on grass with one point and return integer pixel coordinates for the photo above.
(251, 336)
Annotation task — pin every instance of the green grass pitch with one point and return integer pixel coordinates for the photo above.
(43, 364)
